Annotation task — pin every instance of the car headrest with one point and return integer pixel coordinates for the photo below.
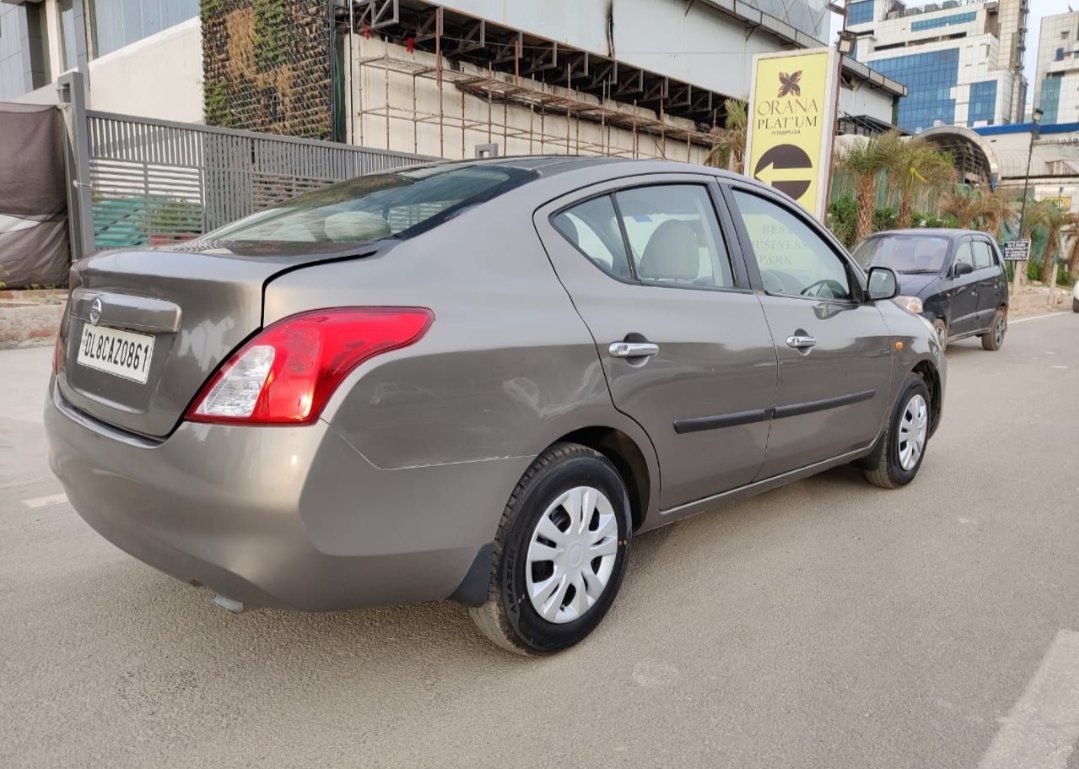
(355, 226)
(672, 253)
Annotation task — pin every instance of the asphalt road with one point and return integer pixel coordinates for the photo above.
(829, 624)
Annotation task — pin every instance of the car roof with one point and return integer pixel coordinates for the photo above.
(551, 165)
(936, 232)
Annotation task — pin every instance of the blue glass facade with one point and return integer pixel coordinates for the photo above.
(1050, 102)
(943, 21)
(929, 78)
(860, 12)
(983, 102)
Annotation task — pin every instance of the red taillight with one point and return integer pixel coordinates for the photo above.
(288, 371)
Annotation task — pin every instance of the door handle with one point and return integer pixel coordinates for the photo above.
(801, 342)
(633, 349)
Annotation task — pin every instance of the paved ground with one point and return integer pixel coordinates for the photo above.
(826, 625)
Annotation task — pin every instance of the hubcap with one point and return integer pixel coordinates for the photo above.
(1002, 326)
(571, 554)
(913, 429)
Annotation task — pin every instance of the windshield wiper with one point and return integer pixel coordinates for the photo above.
(919, 272)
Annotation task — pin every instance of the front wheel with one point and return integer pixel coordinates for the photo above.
(994, 337)
(1075, 305)
(942, 332)
(899, 452)
(560, 553)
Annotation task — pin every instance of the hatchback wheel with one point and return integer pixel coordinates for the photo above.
(942, 332)
(899, 453)
(994, 337)
(560, 553)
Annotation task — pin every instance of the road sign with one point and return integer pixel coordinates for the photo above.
(1017, 250)
(791, 121)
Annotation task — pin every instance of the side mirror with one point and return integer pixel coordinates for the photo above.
(959, 269)
(882, 284)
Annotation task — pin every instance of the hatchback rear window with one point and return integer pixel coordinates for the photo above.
(376, 206)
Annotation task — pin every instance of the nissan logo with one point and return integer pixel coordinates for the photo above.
(95, 311)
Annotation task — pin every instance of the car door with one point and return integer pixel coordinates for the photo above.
(834, 350)
(962, 291)
(992, 280)
(681, 337)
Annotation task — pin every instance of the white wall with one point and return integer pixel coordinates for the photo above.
(159, 76)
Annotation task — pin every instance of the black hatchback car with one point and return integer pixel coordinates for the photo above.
(955, 278)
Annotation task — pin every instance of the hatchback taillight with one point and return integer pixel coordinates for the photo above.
(288, 371)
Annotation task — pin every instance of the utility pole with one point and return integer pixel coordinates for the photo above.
(1035, 132)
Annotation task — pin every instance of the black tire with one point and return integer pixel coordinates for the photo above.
(883, 467)
(942, 332)
(1075, 305)
(994, 337)
(508, 617)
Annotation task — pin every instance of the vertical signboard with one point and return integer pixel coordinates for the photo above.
(792, 109)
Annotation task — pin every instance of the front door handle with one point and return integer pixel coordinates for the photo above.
(801, 342)
(633, 349)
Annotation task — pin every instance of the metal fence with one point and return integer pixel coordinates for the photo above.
(154, 181)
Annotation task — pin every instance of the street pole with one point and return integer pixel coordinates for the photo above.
(843, 46)
(1021, 267)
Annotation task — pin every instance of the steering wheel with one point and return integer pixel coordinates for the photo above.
(835, 289)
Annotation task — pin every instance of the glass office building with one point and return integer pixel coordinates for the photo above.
(962, 62)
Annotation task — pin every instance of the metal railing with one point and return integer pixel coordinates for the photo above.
(155, 181)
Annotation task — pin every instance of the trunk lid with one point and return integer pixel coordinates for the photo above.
(197, 304)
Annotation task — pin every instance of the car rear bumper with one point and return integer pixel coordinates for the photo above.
(289, 517)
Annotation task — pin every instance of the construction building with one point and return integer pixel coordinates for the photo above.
(643, 78)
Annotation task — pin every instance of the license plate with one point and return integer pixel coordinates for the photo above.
(116, 352)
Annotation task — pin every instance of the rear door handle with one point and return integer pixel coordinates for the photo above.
(799, 342)
(633, 349)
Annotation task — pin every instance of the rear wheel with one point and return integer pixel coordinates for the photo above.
(994, 337)
(899, 452)
(560, 553)
(942, 332)
(1075, 305)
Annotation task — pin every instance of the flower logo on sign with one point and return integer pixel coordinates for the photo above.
(789, 84)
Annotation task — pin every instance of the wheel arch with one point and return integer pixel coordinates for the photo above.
(931, 376)
(628, 459)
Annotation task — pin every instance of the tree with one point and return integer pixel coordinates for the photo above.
(865, 162)
(962, 204)
(999, 208)
(913, 165)
(1054, 220)
(729, 142)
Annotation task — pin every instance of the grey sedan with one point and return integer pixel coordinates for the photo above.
(476, 381)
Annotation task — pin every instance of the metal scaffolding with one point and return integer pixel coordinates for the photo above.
(668, 138)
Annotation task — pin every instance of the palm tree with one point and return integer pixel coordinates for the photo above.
(962, 204)
(1048, 215)
(865, 162)
(912, 165)
(729, 142)
(999, 208)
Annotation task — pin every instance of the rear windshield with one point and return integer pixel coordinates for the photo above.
(375, 207)
(904, 253)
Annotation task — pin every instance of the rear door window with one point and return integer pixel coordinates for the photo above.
(674, 237)
(983, 255)
(592, 227)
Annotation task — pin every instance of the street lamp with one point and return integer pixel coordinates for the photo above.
(1035, 132)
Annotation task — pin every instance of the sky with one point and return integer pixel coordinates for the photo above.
(1038, 9)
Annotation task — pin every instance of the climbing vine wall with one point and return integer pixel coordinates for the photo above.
(266, 66)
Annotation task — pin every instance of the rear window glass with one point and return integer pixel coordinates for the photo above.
(904, 253)
(376, 206)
